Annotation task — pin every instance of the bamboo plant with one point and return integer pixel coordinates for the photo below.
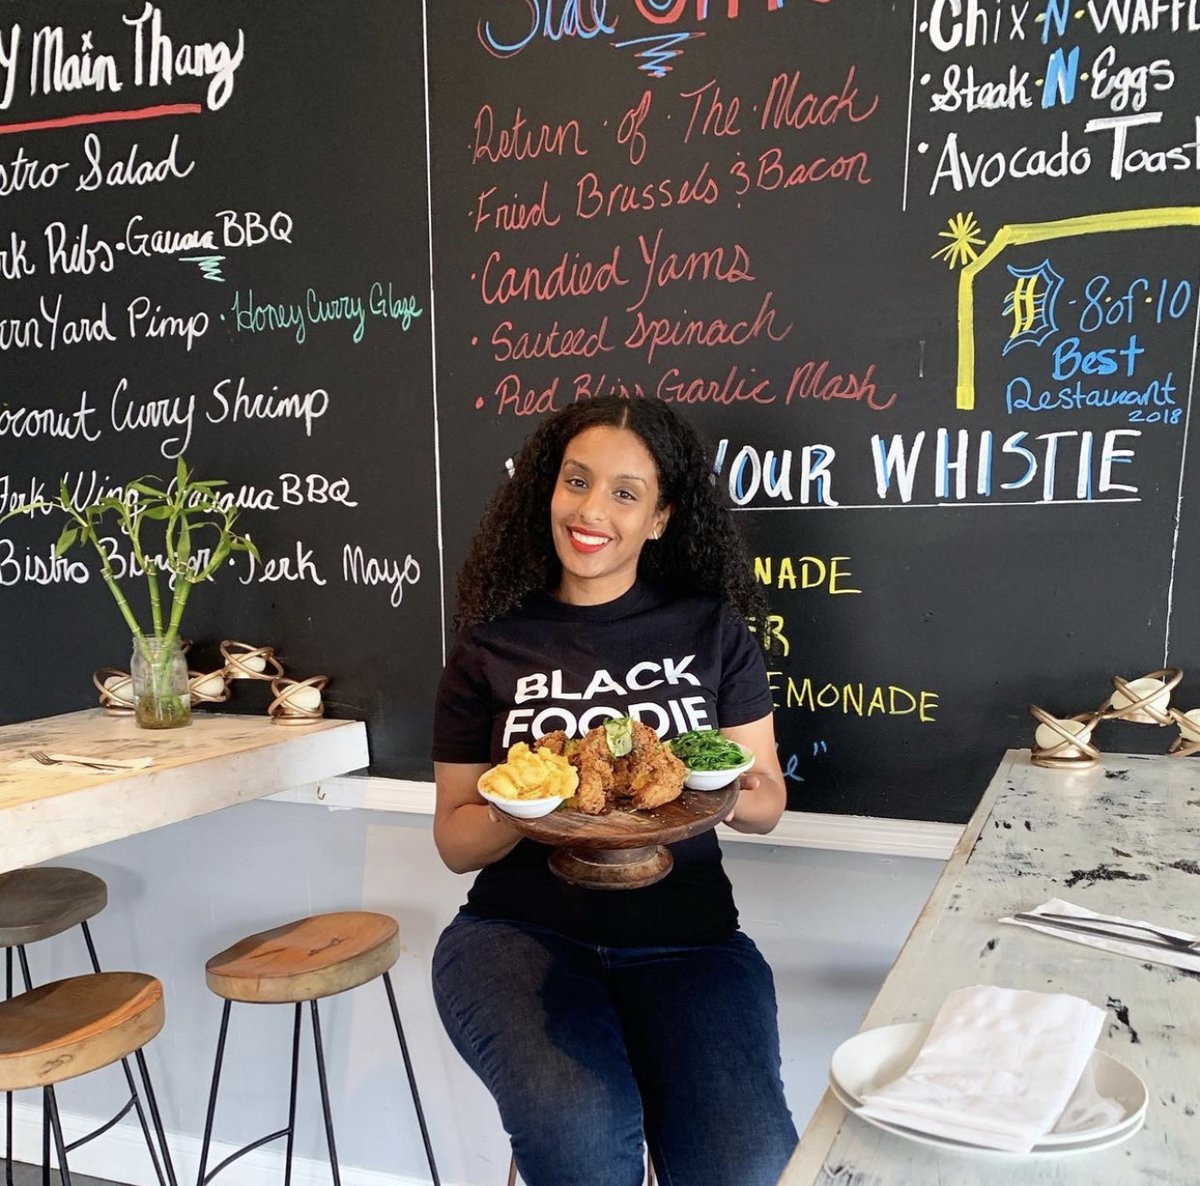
(189, 516)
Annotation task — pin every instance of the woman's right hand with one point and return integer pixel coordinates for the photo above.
(468, 831)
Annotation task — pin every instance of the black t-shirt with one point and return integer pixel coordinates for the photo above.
(675, 663)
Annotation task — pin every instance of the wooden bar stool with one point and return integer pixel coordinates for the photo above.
(37, 904)
(71, 1027)
(303, 961)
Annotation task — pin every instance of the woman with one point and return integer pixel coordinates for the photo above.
(606, 580)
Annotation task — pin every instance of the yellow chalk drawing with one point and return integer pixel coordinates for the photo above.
(1020, 233)
(1023, 302)
(963, 232)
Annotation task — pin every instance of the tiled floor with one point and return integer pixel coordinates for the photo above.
(31, 1175)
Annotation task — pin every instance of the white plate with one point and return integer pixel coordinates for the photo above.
(714, 780)
(965, 1150)
(523, 808)
(867, 1061)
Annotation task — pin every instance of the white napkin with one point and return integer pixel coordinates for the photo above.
(85, 764)
(997, 1069)
(1188, 960)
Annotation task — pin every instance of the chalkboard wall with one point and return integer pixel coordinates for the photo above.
(924, 273)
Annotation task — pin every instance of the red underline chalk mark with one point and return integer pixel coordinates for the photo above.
(103, 117)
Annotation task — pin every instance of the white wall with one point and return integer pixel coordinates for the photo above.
(829, 922)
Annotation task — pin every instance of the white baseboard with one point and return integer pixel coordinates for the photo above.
(120, 1155)
(797, 829)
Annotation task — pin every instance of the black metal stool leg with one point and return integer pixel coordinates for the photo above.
(291, 1124)
(141, 1115)
(8, 1099)
(159, 1131)
(23, 959)
(87, 938)
(206, 1175)
(133, 1091)
(51, 1105)
(212, 1096)
(333, 1162)
(412, 1079)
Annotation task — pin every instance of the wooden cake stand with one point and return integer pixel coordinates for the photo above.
(625, 849)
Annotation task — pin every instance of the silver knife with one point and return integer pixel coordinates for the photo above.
(1083, 929)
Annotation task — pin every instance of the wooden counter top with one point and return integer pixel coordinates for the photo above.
(1123, 838)
(215, 762)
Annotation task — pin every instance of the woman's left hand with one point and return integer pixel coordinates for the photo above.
(746, 782)
(761, 793)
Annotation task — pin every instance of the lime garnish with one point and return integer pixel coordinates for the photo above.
(619, 734)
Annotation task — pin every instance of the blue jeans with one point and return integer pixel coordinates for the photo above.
(589, 1050)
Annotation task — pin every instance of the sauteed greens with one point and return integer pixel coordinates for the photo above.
(706, 749)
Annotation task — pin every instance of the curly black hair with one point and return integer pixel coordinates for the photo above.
(512, 554)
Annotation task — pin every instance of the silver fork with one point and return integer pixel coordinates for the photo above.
(1101, 927)
(44, 759)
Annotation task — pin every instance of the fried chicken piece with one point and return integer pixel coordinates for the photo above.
(555, 742)
(655, 775)
(648, 776)
(590, 756)
(596, 774)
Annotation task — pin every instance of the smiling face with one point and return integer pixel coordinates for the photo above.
(604, 508)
